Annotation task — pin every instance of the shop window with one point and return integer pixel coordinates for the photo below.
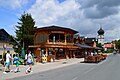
(50, 51)
(60, 53)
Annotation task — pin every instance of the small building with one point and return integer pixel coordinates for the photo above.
(109, 46)
(5, 39)
(91, 41)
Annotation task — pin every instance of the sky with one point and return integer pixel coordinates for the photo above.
(85, 16)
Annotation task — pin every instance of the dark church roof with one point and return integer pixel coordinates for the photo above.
(100, 31)
(56, 28)
(4, 36)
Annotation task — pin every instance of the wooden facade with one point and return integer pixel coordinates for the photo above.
(54, 41)
(59, 43)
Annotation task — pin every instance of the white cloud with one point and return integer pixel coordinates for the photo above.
(47, 12)
(13, 4)
(71, 13)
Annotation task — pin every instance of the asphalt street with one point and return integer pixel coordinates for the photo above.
(105, 70)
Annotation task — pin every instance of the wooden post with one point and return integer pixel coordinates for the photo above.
(54, 53)
(47, 38)
(65, 39)
(73, 54)
(66, 54)
(46, 53)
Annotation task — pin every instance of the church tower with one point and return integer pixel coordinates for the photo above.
(101, 36)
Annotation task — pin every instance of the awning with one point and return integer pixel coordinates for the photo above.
(84, 46)
(97, 48)
(87, 46)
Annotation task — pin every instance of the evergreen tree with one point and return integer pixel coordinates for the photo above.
(24, 32)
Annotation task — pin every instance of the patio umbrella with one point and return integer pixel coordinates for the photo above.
(23, 53)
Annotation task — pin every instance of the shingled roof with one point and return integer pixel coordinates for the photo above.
(84, 46)
(56, 28)
(4, 36)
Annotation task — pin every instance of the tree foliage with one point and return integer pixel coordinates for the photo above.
(24, 32)
(117, 43)
(100, 46)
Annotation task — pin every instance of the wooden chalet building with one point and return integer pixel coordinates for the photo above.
(57, 42)
(54, 41)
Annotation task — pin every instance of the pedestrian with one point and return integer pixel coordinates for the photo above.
(7, 62)
(25, 60)
(17, 63)
(86, 54)
(29, 62)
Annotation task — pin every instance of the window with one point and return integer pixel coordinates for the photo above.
(56, 37)
(69, 38)
(37, 40)
(41, 38)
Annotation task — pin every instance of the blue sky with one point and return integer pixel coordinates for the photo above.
(85, 16)
(10, 15)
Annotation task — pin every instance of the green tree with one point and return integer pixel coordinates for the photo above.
(117, 44)
(24, 32)
(101, 46)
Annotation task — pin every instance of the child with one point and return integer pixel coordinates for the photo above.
(17, 63)
(29, 62)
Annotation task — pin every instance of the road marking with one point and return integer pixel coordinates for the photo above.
(89, 70)
(74, 78)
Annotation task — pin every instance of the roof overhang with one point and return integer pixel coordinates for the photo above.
(84, 46)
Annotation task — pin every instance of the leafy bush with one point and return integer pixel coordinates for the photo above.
(108, 51)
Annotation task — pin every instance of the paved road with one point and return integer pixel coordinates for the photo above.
(106, 70)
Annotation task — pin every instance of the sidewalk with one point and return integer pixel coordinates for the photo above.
(39, 67)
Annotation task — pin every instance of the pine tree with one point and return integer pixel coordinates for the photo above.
(24, 32)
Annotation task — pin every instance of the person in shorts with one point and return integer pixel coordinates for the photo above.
(29, 62)
(7, 62)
